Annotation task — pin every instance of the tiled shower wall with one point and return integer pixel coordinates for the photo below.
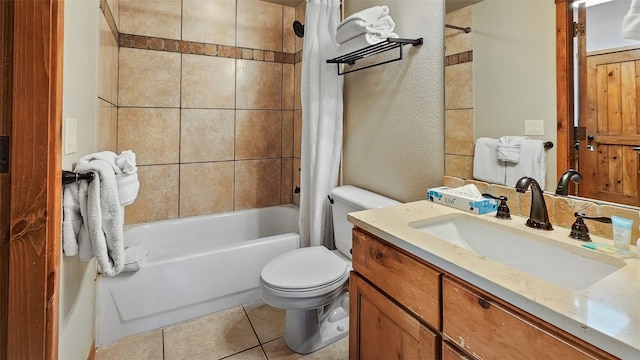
(108, 76)
(458, 123)
(208, 99)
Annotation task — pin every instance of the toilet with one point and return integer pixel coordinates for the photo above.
(311, 283)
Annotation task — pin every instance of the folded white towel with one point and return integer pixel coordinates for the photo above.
(133, 258)
(128, 184)
(509, 148)
(533, 163)
(107, 156)
(126, 161)
(486, 166)
(363, 40)
(631, 22)
(368, 15)
(356, 27)
(103, 215)
(72, 219)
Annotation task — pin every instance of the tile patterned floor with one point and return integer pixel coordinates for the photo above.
(248, 332)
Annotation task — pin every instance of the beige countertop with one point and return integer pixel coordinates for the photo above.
(605, 314)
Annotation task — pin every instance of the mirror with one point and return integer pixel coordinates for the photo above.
(511, 77)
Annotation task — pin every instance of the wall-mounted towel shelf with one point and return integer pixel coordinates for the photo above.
(371, 50)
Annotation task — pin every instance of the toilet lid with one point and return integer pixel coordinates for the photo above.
(304, 268)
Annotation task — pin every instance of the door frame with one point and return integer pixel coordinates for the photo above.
(564, 85)
(35, 180)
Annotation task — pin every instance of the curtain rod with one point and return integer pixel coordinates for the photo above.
(465, 29)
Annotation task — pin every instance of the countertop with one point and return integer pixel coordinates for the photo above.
(605, 314)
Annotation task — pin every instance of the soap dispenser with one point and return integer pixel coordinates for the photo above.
(503, 208)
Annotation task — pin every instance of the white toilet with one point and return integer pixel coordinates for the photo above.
(311, 283)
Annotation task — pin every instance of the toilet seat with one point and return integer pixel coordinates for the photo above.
(305, 269)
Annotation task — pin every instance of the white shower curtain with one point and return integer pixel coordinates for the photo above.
(321, 94)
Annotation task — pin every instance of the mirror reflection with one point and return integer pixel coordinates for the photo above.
(500, 80)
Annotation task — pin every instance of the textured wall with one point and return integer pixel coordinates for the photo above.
(394, 128)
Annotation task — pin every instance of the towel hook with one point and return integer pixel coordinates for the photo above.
(69, 177)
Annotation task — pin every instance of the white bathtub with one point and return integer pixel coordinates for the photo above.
(195, 266)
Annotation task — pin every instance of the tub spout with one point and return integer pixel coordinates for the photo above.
(538, 216)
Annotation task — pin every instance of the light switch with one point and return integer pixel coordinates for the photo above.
(534, 127)
(70, 136)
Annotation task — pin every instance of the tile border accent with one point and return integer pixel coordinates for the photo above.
(460, 58)
(198, 48)
(108, 15)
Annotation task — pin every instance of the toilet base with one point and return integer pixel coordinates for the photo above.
(306, 331)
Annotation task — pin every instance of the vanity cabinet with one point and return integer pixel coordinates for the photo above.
(403, 307)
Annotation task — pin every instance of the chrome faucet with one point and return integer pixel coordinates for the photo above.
(563, 183)
(538, 216)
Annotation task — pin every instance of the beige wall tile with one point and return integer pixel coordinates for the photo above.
(149, 78)
(114, 5)
(158, 195)
(300, 13)
(107, 126)
(482, 186)
(258, 85)
(108, 59)
(606, 230)
(258, 134)
(460, 166)
(287, 133)
(206, 188)
(297, 133)
(208, 82)
(458, 132)
(457, 41)
(287, 181)
(206, 135)
(298, 80)
(212, 336)
(458, 81)
(288, 36)
(288, 86)
(452, 181)
(145, 346)
(153, 134)
(209, 21)
(257, 183)
(259, 25)
(158, 18)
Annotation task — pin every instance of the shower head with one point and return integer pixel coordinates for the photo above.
(298, 28)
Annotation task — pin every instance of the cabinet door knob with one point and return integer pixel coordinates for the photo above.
(484, 303)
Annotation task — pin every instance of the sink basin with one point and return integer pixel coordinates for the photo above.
(556, 262)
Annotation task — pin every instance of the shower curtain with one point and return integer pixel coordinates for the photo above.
(321, 93)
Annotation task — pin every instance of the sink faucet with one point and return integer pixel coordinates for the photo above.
(538, 216)
(563, 183)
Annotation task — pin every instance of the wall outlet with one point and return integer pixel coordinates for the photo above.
(534, 127)
(70, 136)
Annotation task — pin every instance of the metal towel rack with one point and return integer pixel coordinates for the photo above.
(548, 145)
(389, 44)
(69, 177)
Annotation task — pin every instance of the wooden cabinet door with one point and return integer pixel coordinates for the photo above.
(490, 329)
(380, 329)
(449, 352)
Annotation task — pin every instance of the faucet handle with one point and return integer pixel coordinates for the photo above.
(579, 229)
(503, 208)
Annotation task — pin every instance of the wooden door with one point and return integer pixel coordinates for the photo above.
(31, 190)
(609, 158)
(380, 329)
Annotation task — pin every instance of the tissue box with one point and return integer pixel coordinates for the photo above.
(460, 200)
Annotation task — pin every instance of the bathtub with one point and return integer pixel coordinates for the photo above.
(195, 266)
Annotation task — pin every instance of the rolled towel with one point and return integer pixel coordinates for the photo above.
(126, 161)
(362, 41)
(509, 148)
(133, 258)
(368, 15)
(631, 22)
(107, 156)
(128, 184)
(356, 27)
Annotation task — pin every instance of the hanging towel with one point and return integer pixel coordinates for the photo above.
(133, 258)
(369, 15)
(128, 184)
(631, 22)
(103, 216)
(486, 166)
(363, 40)
(509, 148)
(72, 220)
(356, 27)
(533, 163)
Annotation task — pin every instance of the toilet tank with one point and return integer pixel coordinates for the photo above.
(348, 199)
